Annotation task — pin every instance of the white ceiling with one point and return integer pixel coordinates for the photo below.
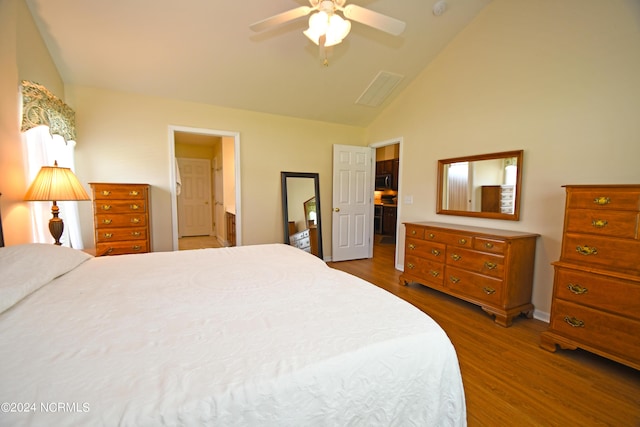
(203, 51)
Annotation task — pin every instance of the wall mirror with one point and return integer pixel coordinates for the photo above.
(301, 211)
(484, 186)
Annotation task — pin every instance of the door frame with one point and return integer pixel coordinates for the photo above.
(172, 176)
(399, 231)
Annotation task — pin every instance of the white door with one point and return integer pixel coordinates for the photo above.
(218, 195)
(194, 201)
(352, 203)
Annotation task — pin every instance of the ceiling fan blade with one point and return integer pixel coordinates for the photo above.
(374, 19)
(281, 18)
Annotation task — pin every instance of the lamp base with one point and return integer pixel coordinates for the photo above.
(56, 226)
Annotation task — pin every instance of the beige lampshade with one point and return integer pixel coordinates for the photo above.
(54, 183)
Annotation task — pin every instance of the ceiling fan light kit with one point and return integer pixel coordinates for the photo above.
(326, 26)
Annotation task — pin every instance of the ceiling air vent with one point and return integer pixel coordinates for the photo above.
(379, 89)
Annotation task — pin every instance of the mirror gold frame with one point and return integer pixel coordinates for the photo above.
(490, 189)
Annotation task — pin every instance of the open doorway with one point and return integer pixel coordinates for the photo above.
(386, 196)
(206, 192)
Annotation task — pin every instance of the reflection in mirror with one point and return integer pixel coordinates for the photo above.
(485, 186)
(301, 211)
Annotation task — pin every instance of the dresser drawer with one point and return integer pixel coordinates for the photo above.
(425, 249)
(604, 198)
(121, 248)
(428, 271)
(618, 335)
(448, 238)
(106, 206)
(603, 222)
(414, 231)
(612, 253)
(479, 262)
(120, 220)
(121, 234)
(477, 286)
(598, 291)
(115, 192)
(489, 245)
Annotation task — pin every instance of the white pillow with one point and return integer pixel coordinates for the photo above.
(26, 268)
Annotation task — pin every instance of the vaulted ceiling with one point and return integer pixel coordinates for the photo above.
(204, 51)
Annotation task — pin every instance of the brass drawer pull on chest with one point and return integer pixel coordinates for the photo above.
(454, 279)
(106, 207)
(462, 241)
(586, 250)
(107, 221)
(599, 223)
(137, 247)
(134, 193)
(135, 233)
(456, 257)
(431, 235)
(577, 289)
(412, 246)
(435, 252)
(411, 266)
(106, 193)
(490, 265)
(488, 245)
(134, 207)
(489, 291)
(600, 201)
(435, 273)
(108, 235)
(135, 220)
(572, 321)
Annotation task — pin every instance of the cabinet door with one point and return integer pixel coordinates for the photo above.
(389, 220)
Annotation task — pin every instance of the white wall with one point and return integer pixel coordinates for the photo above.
(123, 137)
(559, 79)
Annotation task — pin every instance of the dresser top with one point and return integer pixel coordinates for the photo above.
(477, 230)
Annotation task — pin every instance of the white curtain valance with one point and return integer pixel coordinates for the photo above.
(42, 108)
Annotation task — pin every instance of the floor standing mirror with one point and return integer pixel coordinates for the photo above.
(301, 211)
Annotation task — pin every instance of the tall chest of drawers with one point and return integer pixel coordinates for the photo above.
(596, 291)
(488, 267)
(121, 218)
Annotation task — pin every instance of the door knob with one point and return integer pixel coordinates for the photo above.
(336, 209)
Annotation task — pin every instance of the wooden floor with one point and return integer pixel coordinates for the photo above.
(509, 380)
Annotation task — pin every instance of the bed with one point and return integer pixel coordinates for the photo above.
(263, 335)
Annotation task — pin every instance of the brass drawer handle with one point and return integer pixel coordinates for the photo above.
(573, 322)
(577, 289)
(432, 236)
(456, 257)
(488, 245)
(134, 193)
(108, 235)
(135, 220)
(602, 200)
(106, 207)
(489, 291)
(137, 247)
(412, 246)
(410, 266)
(462, 241)
(107, 221)
(599, 223)
(435, 273)
(586, 250)
(108, 251)
(134, 207)
(435, 252)
(413, 232)
(454, 279)
(135, 233)
(106, 192)
(490, 265)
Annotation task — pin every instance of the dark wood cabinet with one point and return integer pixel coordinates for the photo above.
(389, 219)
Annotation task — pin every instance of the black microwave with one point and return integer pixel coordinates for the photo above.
(384, 181)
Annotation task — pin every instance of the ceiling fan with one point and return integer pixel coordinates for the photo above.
(326, 27)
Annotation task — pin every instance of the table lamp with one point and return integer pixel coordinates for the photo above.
(55, 184)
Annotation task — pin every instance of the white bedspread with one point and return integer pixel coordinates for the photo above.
(262, 335)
